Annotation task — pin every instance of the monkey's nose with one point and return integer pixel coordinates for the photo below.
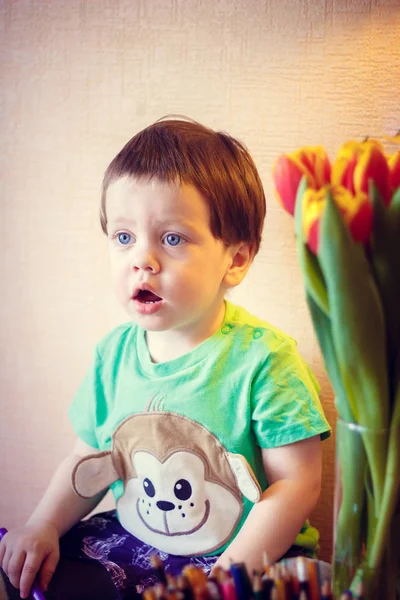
(164, 505)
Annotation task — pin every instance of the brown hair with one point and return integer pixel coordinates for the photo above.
(216, 164)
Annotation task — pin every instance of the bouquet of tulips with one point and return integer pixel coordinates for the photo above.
(347, 223)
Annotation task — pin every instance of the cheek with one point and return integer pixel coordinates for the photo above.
(119, 280)
(119, 265)
(115, 274)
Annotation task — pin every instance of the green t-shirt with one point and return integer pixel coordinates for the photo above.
(181, 440)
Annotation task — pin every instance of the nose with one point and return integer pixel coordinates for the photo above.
(165, 505)
(144, 259)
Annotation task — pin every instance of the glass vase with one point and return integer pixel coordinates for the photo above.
(366, 512)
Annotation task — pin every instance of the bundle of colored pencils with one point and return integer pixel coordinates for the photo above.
(293, 579)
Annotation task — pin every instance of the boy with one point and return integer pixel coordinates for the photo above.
(194, 405)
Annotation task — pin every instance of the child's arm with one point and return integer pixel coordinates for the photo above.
(294, 474)
(35, 546)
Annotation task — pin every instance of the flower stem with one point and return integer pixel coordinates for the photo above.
(391, 489)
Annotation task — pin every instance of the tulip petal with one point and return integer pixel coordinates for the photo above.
(286, 176)
(312, 206)
(372, 166)
(317, 165)
(314, 278)
(394, 166)
(343, 172)
(361, 224)
(359, 162)
(313, 236)
(395, 139)
(356, 211)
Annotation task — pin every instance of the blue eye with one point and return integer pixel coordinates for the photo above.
(173, 239)
(124, 238)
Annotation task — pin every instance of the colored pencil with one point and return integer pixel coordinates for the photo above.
(326, 593)
(228, 588)
(297, 579)
(158, 568)
(266, 562)
(314, 593)
(288, 579)
(302, 575)
(183, 586)
(274, 593)
(242, 581)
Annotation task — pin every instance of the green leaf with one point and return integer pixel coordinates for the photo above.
(357, 321)
(385, 257)
(390, 504)
(351, 465)
(322, 327)
(358, 335)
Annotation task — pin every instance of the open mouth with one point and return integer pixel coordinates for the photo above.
(147, 297)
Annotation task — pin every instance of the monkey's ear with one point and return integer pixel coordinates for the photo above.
(93, 473)
(245, 477)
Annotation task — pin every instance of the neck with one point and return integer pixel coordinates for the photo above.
(173, 343)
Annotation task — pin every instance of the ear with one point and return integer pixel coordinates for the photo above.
(242, 255)
(93, 473)
(245, 477)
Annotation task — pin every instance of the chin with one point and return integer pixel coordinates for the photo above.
(149, 323)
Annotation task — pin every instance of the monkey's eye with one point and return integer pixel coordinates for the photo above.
(182, 489)
(149, 488)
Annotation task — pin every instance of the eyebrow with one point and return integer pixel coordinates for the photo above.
(173, 221)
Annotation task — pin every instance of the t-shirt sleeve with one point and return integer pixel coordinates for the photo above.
(86, 405)
(285, 402)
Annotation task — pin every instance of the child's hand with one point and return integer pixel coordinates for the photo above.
(28, 550)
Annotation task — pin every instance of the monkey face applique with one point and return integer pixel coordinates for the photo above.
(171, 497)
(182, 489)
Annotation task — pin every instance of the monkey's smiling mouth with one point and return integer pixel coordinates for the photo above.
(166, 531)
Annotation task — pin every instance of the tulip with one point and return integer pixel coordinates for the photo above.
(393, 139)
(288, 170)
(353, 294)
(359, 163)
(356, 210)
(394, 166)
(313, 206)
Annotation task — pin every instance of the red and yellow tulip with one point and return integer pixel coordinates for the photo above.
(352, 291)
(359, 163)
(356, 211)
(394, 167)
(393, 139)
(311, 162)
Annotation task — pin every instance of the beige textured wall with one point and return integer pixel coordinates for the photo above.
(77, 79)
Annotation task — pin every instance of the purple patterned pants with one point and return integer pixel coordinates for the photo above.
(100, 560)
(126, 559)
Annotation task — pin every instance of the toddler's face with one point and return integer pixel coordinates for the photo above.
(168, 269)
